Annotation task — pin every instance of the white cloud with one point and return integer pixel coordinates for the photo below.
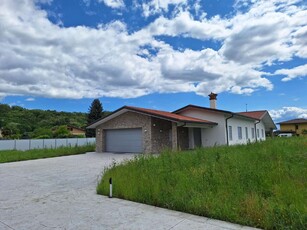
(269, 31)
(300, 39)
(87, 2)
(30, 99)
(184, 24)
(207, 68)
(113, 3)
(158, 6)
(44, 1)
(286, 113)
(39, 58)
(296, 72)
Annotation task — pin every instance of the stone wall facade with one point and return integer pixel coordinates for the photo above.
(125, 121)
(160, 134)
(156, 133)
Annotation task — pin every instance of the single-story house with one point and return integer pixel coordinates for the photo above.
(140, 130)
(297, 127)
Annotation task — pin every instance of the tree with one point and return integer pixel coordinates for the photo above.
(95, 113)
(61, 132)
(39, 132)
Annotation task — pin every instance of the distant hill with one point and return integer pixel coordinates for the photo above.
(18, 122)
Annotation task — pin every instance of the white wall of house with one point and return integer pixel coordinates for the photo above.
(261, 128)
(210, 136)
(217, 134)
(246, 127)
(248, 131)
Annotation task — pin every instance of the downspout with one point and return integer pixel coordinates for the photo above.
(256, 130)
(227, 138)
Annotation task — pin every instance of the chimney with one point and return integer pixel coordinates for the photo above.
(212, 98)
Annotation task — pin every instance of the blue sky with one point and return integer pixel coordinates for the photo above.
(60, 55)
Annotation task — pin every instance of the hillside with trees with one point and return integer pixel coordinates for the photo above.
(19, 123)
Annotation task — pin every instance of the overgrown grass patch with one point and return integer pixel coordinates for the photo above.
(261, 185)
(15, 155)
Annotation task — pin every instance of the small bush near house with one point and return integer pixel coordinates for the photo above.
(15, 155)
(262, 185)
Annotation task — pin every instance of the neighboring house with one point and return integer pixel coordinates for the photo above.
(76, 131)
(296, 126)
(133, 129)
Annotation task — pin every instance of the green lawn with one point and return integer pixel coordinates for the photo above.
(262, 185)
(14, 155)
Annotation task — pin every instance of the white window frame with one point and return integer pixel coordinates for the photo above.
(246, 133)
(262, 133)
(258, 133)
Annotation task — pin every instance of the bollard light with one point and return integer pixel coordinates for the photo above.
(110, 181)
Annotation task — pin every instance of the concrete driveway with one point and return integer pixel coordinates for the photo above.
(60, 193)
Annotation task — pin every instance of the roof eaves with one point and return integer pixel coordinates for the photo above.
(264, 112)
(170, 118)
(123, 107)
(151, 114)
(248, 117)
(214, 110)
(204, 108)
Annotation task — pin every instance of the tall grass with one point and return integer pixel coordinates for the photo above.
(15, 155)
(261, 185)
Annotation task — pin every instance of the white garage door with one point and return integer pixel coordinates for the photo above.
(124, 140)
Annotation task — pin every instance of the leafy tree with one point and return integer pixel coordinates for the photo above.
(18, 122)
(10, 130)
(47, 133)
(95, 113)
(61, 132)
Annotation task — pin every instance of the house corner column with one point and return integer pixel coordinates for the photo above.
(100, 145)
(174, 136)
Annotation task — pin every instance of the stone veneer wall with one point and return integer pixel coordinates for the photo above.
(160, 135)
(123, 121)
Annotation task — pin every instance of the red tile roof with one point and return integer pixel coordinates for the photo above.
(212, 110)
(168, 115)
(294, 121)
(254, 114)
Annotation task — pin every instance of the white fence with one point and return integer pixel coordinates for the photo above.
(44, 143)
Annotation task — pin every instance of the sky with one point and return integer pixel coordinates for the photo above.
(159, 54)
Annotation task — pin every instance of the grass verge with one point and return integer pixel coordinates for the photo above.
(15, 155)
(261, 185)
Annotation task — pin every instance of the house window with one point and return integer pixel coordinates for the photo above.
(253, 133)
(296, 127)
(230, 132)
(240, 133)
(246, 133)
(258, 135)
(262, 133)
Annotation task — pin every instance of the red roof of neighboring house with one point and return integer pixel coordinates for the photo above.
(294, 121)
(254, 114)
(75, 127)
(168, 115)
